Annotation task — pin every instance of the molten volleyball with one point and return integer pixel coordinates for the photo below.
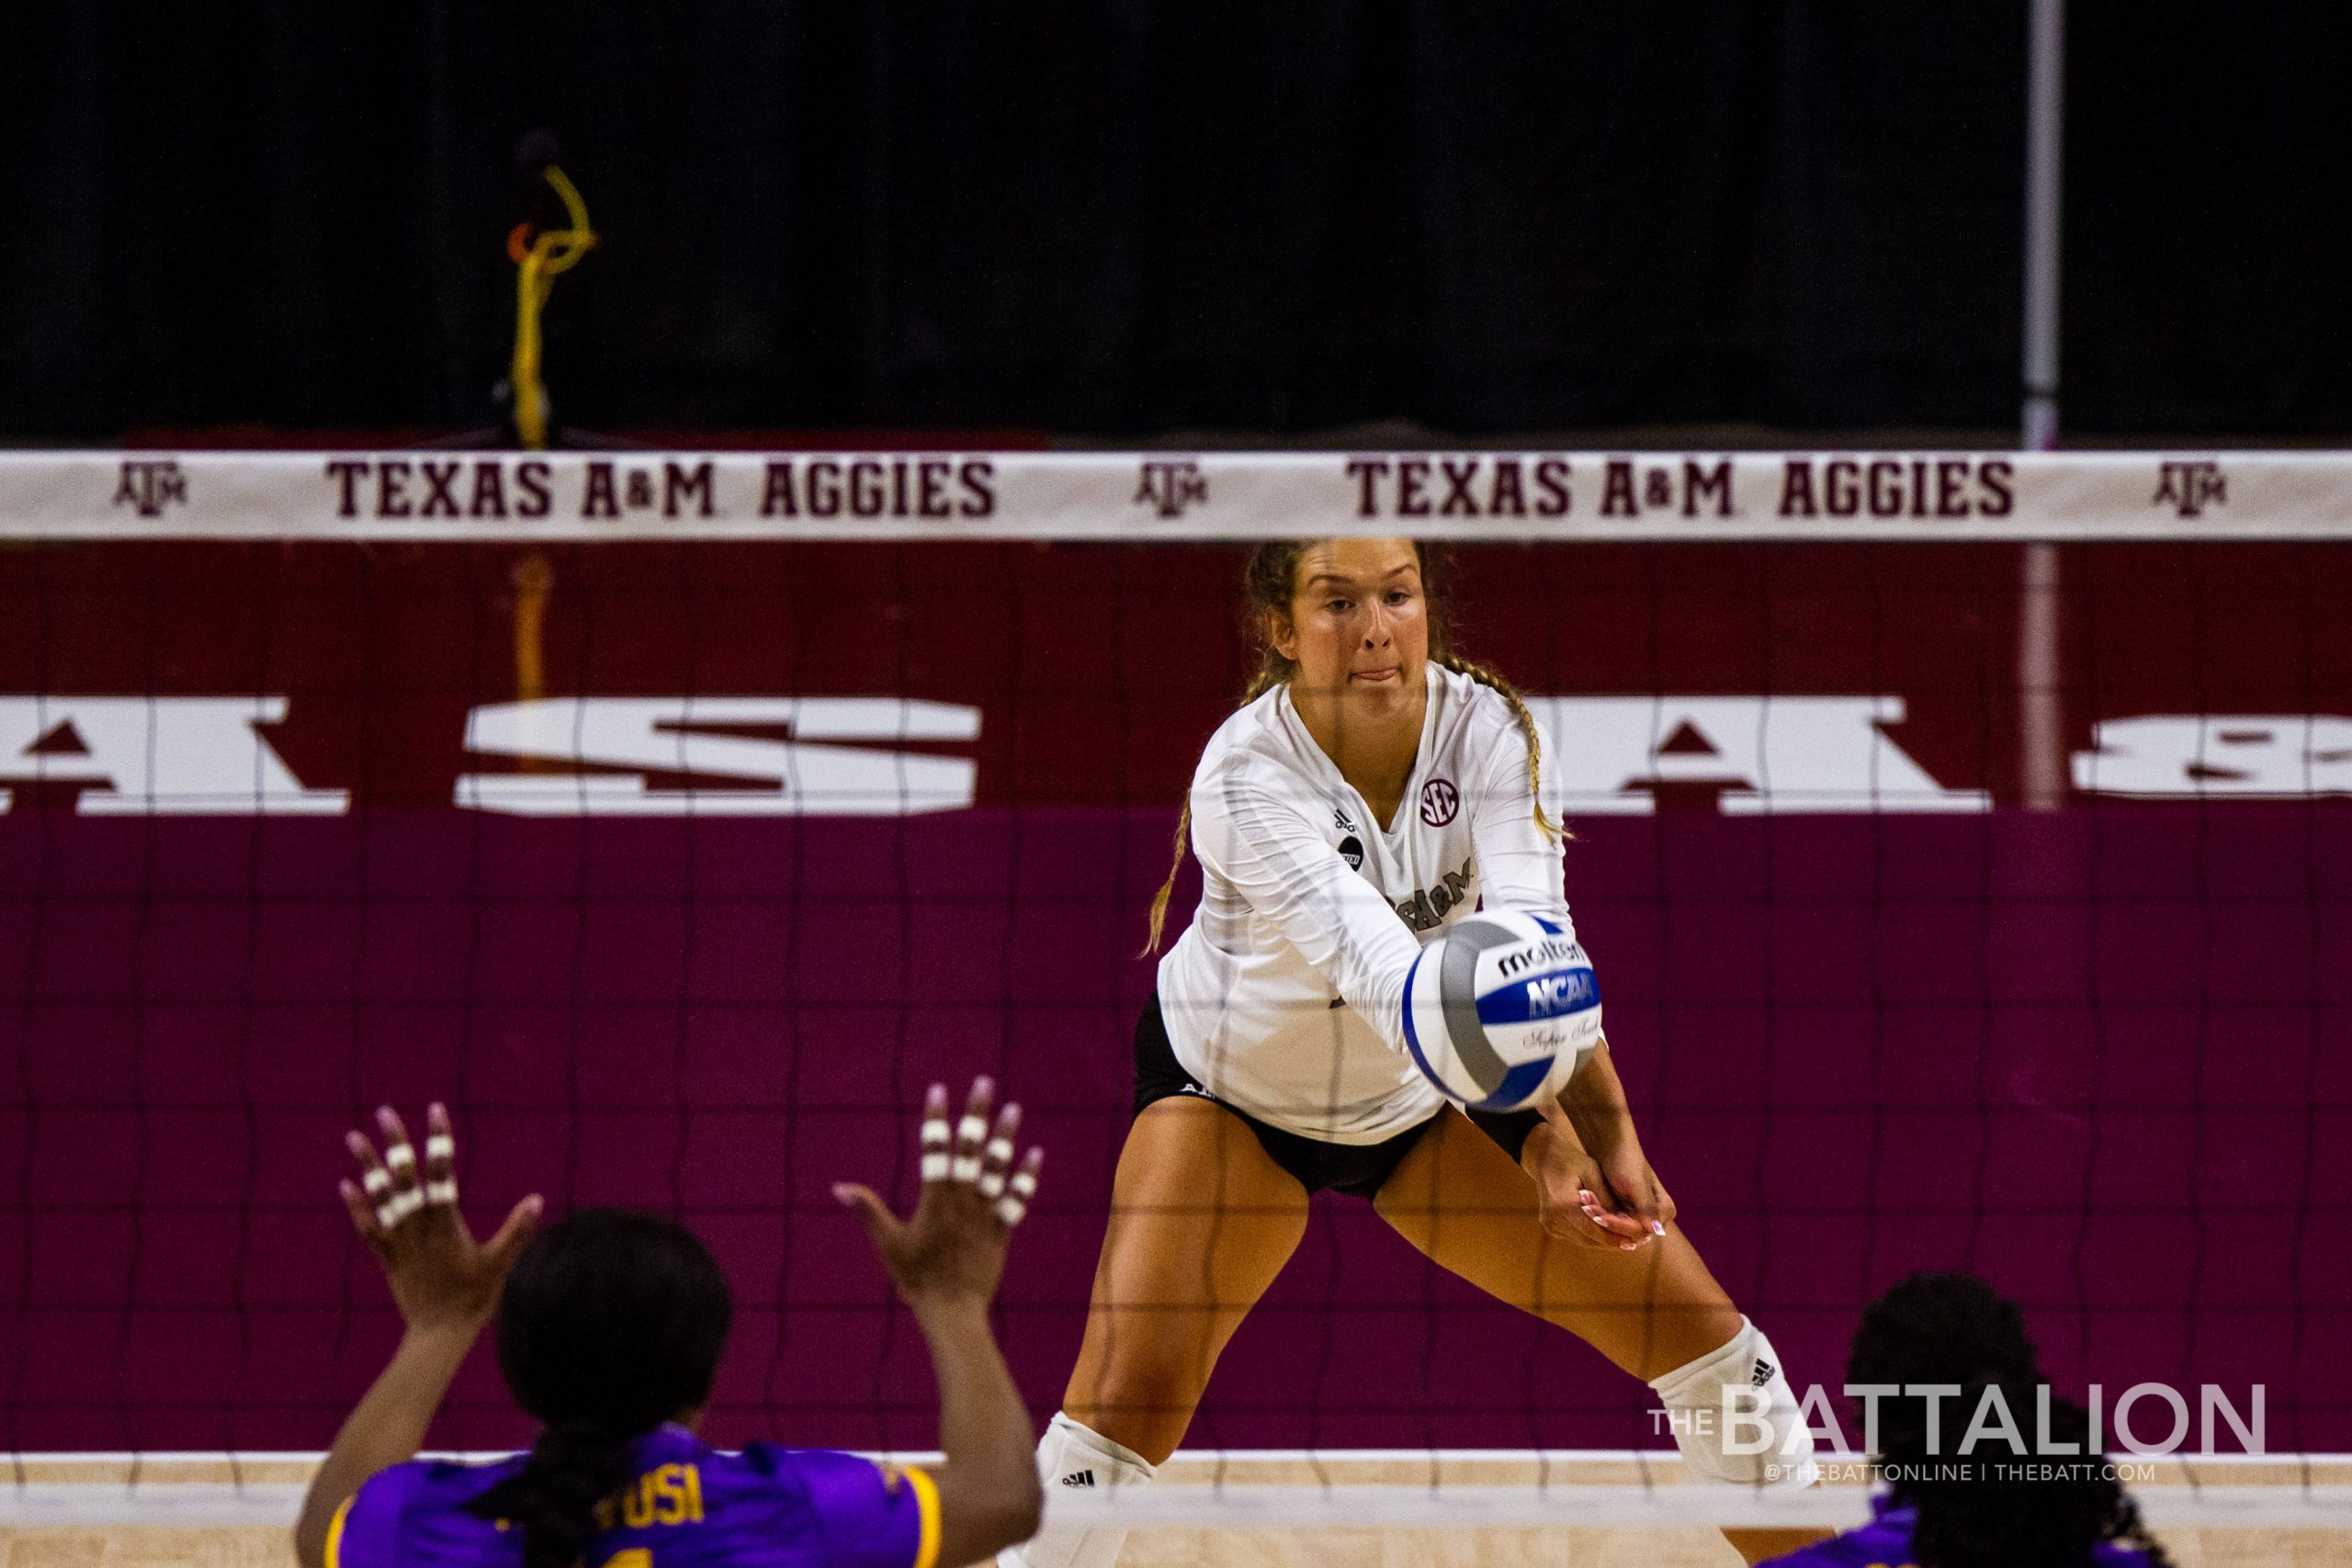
(1503, 1010)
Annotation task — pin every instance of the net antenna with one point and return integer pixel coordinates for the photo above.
(2046, 154)
(540, 257)
(2042, 739)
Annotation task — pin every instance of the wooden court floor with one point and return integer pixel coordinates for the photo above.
(250, 1546)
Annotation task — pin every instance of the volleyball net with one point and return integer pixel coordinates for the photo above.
(1962, 840)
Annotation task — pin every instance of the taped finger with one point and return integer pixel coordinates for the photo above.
(969, 1132)
(1014, 1206)
(934, 1134)
(398, 1207)
(440, 1158)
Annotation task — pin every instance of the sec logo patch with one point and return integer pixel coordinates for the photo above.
(1439, 803)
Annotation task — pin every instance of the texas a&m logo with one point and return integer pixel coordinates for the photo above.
(150, 484)
(2190, 488)
(1168, 485)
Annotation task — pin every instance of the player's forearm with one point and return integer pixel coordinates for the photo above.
(1595, 1102)
(386, 1427)
(988, 1496)
(982, 1423)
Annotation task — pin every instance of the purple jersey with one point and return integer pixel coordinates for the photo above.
(1886, 1542)
(688, 1506)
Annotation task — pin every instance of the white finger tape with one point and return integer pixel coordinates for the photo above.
(934, 1167)
(992, 1184)
(934, 1133)
(400, 1156)
(400, 1207)
(966, 1169)
(1009, 1210)
(999, 1150)
(970, 1131)
(376, 1182)
(1024, 1184)
(443, 1192)
(441, 1147)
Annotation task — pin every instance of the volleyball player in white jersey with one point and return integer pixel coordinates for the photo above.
(1373, 789)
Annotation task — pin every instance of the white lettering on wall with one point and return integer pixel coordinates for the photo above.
(745, 756)
(156, 756)
(1765, 753)
(2246, 756)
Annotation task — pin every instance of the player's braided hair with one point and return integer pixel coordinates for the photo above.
(611, 1323)
(1946, 1328)
(1269, 582)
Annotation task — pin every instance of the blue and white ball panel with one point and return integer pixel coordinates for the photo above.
(1503, 1010)
(1552, 992)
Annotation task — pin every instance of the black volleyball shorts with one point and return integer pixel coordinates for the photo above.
(1357, 1169)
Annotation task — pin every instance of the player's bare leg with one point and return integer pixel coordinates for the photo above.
(1202, 1220)
(1468, 1207)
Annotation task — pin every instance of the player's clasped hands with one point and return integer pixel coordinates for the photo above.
(1613, 1202)
(406, 1210)
(973, 1194)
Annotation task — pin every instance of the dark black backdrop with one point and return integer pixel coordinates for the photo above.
(1138, 215)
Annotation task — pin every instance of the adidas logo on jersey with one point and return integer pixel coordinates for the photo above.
(1764, 1370)
(1078, 1478)
(1340, 820)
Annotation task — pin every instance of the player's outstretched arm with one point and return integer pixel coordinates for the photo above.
(945, 1262)
(446, 1284)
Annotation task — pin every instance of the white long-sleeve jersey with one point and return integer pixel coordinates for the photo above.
(1285, 997)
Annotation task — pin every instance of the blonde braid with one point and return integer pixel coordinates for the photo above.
(1494, 681)
(1168, 888)
(1273, 670)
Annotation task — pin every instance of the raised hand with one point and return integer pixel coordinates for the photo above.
(407, 1213)
(952, 1246)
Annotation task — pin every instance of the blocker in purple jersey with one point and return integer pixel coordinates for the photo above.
(1503, 1010)
(686, 1504)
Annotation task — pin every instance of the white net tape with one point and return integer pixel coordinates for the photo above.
(1271, 1490)
(1140, 496)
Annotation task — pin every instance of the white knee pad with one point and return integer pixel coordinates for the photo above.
(1735, 1418)
(1071, 1458)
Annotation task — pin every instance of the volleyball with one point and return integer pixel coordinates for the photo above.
(1503, 1010)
